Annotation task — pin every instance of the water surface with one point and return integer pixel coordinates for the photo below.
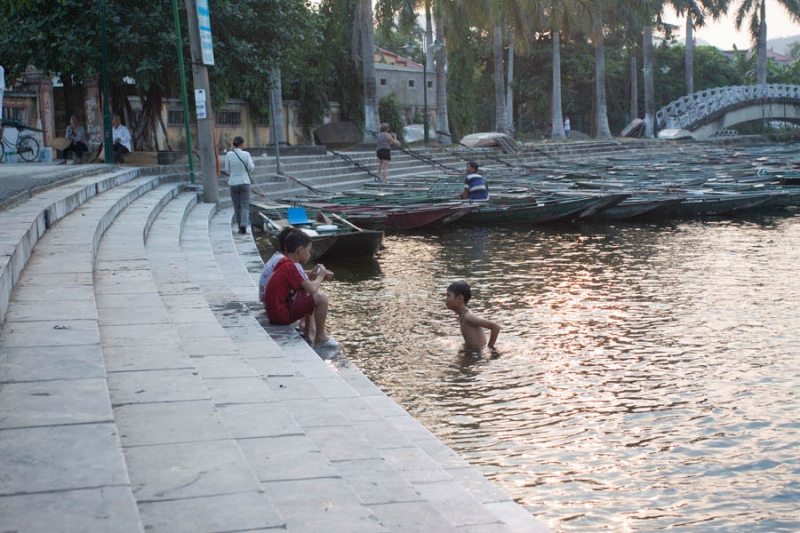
(647, 374)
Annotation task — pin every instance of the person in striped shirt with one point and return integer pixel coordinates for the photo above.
(475, 186)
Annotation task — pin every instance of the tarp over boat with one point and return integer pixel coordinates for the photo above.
(674, 134)
(490, 139)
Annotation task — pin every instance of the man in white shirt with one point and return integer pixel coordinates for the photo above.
(122, 140)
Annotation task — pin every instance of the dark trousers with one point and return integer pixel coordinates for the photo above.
(240, 195)
(78, 147)
(119, 151)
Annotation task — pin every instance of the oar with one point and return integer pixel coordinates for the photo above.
(344, 221)
(270, 222)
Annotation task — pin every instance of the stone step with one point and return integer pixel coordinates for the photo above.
(187, 472)
(60, 447)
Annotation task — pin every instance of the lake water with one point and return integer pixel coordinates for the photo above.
(648, 375)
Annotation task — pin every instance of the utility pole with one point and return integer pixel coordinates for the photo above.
(202, 55)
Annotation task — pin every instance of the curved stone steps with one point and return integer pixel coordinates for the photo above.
(186, 471)
(59, 446)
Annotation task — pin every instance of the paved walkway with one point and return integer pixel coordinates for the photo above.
(142, 389)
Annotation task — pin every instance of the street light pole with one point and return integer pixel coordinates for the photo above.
(435, 47)
(108, 143)
(425, 102)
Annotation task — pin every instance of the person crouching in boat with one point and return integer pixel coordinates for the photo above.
(475, 186)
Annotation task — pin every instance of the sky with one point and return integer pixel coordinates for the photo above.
(723, 34)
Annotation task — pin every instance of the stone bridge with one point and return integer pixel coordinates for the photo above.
(708, 113)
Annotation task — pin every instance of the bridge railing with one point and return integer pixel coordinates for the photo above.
(692, 108)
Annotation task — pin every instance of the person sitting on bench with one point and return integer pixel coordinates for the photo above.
(78, 141)
(122, 140)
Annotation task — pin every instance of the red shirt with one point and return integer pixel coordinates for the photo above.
(281, 289)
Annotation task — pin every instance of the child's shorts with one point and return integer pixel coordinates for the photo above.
(302, 305)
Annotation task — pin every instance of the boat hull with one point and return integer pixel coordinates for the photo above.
(539, 213)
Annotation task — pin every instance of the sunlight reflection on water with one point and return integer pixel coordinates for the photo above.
(647, 374)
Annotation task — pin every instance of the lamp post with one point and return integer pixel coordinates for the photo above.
(435, 47)
(108, 142)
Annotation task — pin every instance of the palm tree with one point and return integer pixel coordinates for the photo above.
(499, 81)
(276, 127)
(442, 119)
(649, 87)
(561, 14)
(695, 16)
(601, 113)
(556, 114)
(366, 31)
(601, 107)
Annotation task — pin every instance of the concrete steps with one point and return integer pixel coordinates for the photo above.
(60, 449)
(186, 471)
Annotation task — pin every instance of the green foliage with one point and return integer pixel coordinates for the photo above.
(389, 111)
(251, 38)
(342, 75)
(462, 76)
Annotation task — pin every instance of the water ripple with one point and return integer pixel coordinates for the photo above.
(647, 373)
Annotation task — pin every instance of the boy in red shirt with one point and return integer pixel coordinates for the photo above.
(290, 297)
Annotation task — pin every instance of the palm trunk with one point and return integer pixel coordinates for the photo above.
(558, 117)
(428, 37)
(649, 88)
(689, 74)
(601, 116)
(762, 46)
(510, 83)
(634, 86)
(371, 116)
(499, 83)
(276, 123)
(442, 120)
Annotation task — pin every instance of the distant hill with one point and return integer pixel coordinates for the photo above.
(782, 45)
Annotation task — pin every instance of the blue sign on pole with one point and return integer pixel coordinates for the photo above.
(204, 22)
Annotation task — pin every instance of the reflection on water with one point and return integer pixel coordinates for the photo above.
(647, 377)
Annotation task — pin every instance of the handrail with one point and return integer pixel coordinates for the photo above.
(425, 159)
(355, 164)
(488, 156)
(406, 150)
(701, 104)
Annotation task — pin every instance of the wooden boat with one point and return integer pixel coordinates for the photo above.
(400, 218)
(698, 204)
(544, 211)
(629, 207)
(638, 207)
(332, 236)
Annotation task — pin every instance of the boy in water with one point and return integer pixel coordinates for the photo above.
(458, 295)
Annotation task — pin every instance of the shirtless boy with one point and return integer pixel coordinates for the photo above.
(458, 295)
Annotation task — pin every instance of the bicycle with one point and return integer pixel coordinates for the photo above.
(27, 147)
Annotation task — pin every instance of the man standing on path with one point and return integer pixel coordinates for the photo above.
(566, 127)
